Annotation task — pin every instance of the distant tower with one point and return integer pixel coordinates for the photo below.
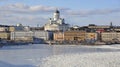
(111, 24)
(56, 15)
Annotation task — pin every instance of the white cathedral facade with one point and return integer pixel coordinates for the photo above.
(56, 23)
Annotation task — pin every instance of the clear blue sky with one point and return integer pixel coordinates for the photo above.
(75, 12)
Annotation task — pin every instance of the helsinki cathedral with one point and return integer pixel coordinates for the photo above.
(56, 23)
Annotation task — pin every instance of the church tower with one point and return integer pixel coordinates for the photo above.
(56, 15)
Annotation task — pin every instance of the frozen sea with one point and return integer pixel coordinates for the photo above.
(42, 55)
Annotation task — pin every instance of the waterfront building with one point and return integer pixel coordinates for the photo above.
(56, 23)
(4, 28)
(74, 35)
(91, 36)
(59, 36)
(109, 36)
(24, 36)
(118, 36)
(42, 36)
(31, 36)
(5, 35)
(45, 35)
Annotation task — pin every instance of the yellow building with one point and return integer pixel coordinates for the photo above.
(118, 36)
(59, 36)
(5, 35)
(74, 35)
(108, 36)
(3, 29)
(91, 36)
(11, 29)
(24, 39)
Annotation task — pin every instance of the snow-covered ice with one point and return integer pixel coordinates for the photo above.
(111, 59)
(40, 55)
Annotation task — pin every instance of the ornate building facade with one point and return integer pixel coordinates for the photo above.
(56, 23)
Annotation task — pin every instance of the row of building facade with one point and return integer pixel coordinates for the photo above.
(26, 36)
(87, 37)
(57, 30)
(69, 36)
(60, 36)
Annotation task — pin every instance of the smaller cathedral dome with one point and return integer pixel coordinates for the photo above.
(19, 24)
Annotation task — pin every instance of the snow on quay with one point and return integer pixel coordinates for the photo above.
(107, 59)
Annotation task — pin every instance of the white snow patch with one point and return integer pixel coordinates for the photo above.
(106, 59)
